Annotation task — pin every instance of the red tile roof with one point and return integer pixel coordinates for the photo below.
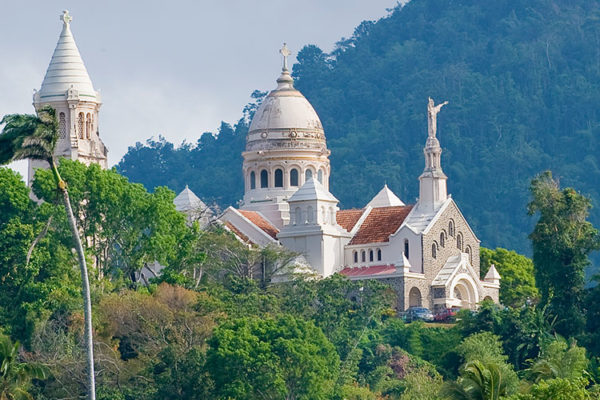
(368, 271)
(348, 218)
(238, 233)
(261, 222)
(380, 224)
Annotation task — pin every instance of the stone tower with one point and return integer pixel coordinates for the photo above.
(285, 147)
(67, 87)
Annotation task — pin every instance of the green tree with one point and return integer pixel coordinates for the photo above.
(34, 137)
(16, 376)
(559, 359)
(562, 240)
(284, 357)
(478, 381)
(518, 280)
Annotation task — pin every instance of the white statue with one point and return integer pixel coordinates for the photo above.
(432, 111)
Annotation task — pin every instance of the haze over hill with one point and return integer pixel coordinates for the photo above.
(521, 78)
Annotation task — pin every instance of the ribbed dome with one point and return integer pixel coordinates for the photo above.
(66, 69)
(285, 108)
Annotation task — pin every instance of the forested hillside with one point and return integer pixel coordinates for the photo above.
(522, 80)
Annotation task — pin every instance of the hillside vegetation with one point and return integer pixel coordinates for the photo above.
(522, 80)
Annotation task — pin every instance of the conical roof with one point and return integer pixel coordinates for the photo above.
(312, 190)
(385, 198)
(492, 274)
(187, 200)
(66, 69)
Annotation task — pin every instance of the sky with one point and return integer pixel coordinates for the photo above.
(176, 68)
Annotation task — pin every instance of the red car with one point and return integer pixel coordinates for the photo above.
(446, 315)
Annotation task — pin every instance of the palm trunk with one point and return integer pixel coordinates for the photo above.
(85, 284)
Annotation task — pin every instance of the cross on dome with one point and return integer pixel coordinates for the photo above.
(66, 17)
(285, 52)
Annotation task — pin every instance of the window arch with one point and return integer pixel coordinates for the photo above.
(433, 250)
(371, 256)
(309, 214)
(298, 215)
(294, 177)
(363, 256)
(459, 241)
(264, 178)
(324, 214)
(451, 228)
(80, 125)
(278, 177)
(378, 254)
(355, 255)
(308, 174)
(320, 176)
(332, 216)
(469, 252)
(88, 126)
(406, 248)
(62, 125)
(443, 239)
(252, 180)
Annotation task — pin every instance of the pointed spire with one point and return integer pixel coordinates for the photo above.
(312, 190)
(285, 80)
(66, 70)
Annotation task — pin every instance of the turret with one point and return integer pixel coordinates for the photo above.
(67, 87)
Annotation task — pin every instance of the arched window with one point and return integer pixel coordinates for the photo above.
(371, 256)
(88, 126)
(406, 249)
(332, 216)
(433, 250)
(309, 214)
(252, 180)
(80, 125)
(355, 254)
(298, 216)
(451, 228)
(378, 254)
(468, 251)
(62, 125)
(363, 256)
(459, 241)
(264, 178)
(320, 176)
(278, 177)
(294, 177)
(443, 239)
(324, 215)
(307, 174)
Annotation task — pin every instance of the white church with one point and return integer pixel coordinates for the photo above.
(426, 251)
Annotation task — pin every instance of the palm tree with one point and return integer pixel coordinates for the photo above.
(15, 376)
(478, 381)
(34, 137)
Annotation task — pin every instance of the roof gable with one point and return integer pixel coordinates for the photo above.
(312, 190)
(385, 198)
(257, 219)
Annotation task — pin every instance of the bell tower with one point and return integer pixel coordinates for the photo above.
(67, 87)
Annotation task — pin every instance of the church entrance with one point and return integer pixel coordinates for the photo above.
(414, 297)
(465, 293)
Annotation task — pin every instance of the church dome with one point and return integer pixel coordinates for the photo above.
(285, 119)
(285, 108)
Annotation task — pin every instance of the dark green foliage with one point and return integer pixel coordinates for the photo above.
(274, 358)
(562, 240)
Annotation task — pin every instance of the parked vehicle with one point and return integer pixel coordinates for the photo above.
(418, 313)
(446, 315)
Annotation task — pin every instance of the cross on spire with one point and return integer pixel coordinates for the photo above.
(66, 17)
(285, 52)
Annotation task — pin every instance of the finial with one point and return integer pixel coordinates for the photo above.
(285, 52)
(66, 17)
